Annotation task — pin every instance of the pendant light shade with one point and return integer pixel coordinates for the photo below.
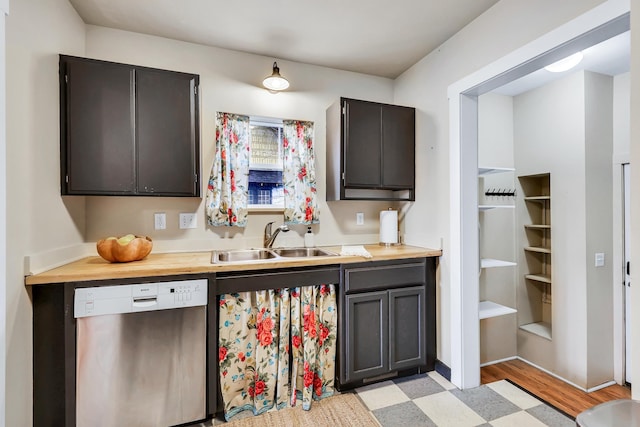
(275, 82)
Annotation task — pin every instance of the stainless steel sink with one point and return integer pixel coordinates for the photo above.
(252, 255)
(241, 255)
(302, 252)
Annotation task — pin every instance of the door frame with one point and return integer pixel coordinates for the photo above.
(598, 24)
(623, 306)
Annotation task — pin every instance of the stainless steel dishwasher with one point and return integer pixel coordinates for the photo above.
(141, 354)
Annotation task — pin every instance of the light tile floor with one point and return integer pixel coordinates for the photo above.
(431, 400)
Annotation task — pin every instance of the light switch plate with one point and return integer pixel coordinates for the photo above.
(159, 221)
(188, 220)
(359, 218)
(599, 259)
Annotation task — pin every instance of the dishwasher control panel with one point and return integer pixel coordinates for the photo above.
(101, 300)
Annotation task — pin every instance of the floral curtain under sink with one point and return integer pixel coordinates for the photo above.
(277, 346)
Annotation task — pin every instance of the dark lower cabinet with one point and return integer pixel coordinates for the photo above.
(388, 324)
(385, 332)
(367, 340)
(406, 328)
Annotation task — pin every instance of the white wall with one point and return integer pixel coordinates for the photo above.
(502, 29)
(37, 217)
(549, 137)
(599, 227)
(231, 81)
(565, 129)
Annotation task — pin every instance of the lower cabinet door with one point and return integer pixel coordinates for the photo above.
(407, 347)
(367, 341)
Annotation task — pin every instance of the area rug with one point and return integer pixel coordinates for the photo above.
(341, 410)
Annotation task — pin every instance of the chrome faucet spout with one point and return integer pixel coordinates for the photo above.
(270, 237)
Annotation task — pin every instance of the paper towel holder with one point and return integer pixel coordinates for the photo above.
(397, 239)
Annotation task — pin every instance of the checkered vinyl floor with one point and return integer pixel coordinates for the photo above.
(430, 400)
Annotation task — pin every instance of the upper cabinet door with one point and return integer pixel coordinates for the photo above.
(398, 146)
(167, 132)
(98, 157)
(362, 144)
(370, 151)
(128, 130)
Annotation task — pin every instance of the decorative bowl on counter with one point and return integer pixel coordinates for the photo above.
(124, 249)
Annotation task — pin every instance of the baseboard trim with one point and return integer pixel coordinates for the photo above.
(443, 370)
(586, 390)
(493, 362)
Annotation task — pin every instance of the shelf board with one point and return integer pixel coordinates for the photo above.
(489, 171)
(489, 309)
(537, 198)
(538, 226)
(491, 263)
(542, 329)
(544, 278)
(538, 249)
(487, 207)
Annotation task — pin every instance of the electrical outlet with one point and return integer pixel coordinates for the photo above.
(188, 220)
(359, 218)
(159, 221)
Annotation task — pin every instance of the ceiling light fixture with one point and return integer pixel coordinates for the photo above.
(565, 64)
(275, 82)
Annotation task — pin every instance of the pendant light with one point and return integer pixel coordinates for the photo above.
(275, 82)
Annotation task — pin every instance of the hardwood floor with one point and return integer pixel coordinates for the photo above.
(556, 392)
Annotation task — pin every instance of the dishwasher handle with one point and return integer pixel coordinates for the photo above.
(145, 302)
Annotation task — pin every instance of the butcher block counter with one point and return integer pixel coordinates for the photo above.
(169, 264)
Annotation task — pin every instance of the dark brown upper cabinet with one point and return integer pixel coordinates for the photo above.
(370, 151)
(127, 130)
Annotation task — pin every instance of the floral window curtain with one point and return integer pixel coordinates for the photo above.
(260, 332)
(227, 192)
(299, 175)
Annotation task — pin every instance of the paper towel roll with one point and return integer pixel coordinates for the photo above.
(389, 227)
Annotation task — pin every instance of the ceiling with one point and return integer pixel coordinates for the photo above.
(365, 36)
(611, 57)
(374, 37)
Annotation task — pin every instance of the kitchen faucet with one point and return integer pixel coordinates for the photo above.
(269, 237)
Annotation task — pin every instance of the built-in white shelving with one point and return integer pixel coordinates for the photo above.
(492, 263)
(487, 207)
(542, 329)
(539, 249)
(538, 284)
(489, 309)
(538, 226)
(489, 171)
(544, 278)
(537, 198)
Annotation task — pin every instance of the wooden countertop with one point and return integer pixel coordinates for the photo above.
(167, 264)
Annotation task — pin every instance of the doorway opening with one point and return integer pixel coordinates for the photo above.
(601, 23)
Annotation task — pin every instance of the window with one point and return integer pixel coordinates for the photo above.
(265, 164)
